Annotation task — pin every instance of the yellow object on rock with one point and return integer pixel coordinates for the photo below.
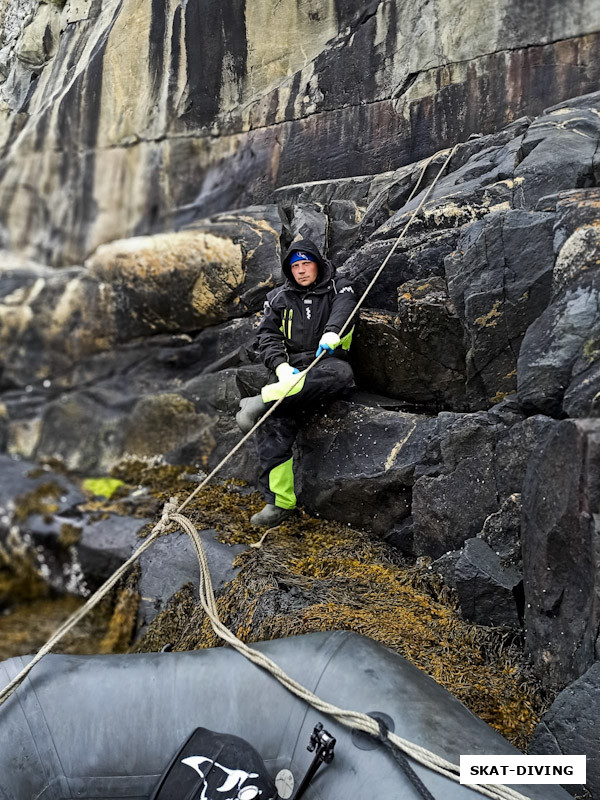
(103, 487)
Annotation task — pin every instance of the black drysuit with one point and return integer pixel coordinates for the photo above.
(294, 320)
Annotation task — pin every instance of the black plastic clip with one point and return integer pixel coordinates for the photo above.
(322, 744)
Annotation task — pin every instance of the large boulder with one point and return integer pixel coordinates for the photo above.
(177, 283)
(559, 533)
(572, 727)
(174, 281)
(417, 354)
(474, 463)
(486, 590)
(558, 366)
(425, 484)
(499, 280)
(358, 463)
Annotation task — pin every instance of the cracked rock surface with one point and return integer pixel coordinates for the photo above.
(237, 99)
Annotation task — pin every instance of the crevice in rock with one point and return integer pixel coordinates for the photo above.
(505, 300)
(369, 12)
(547, 732)
(406, 84)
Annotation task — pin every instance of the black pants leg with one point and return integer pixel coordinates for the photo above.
(275, 437)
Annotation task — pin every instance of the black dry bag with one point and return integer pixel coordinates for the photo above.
(215, 766)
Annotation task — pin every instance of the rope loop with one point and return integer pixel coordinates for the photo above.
(403, 762)
(169, 508)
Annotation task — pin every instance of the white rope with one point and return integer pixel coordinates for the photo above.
(75, 618)
(172, 513)
(351, 719)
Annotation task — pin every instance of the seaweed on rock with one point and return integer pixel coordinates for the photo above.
(311, 575)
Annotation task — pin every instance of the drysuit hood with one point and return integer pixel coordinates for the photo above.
(325, 268)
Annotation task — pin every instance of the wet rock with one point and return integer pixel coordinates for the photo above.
(502, 532)
(499, 280)
(558, 363)
(473, 463)
(357, 464)
(477, 182)
(572, 727)
(446, 567)
(559, 532)
(309, 222)
(416, 355)
(77, 554)
(20, 491)
(558, 153)
(172, 562)
(40, 511)
(76, 551)
(486, 589)
(159, 423)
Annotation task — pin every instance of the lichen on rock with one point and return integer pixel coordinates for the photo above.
(173, 281)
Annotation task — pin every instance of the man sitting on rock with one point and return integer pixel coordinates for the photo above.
(301, 320)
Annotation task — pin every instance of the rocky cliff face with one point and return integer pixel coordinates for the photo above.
(118, 113)
(476, 362)
(472, 436)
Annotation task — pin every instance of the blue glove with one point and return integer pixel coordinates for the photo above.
(329, 341)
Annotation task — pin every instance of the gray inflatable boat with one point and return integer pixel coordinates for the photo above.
(106, 727)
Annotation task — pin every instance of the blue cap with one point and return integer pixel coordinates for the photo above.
(298, 255)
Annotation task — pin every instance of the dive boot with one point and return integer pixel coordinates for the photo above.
(271, 516)
(251, 410)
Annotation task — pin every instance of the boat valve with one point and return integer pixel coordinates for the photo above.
(322, 743)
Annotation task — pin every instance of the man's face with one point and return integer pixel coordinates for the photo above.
(305, 272)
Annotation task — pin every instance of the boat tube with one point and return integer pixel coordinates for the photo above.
(107, 727)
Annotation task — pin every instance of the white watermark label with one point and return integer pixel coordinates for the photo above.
(522, 769)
